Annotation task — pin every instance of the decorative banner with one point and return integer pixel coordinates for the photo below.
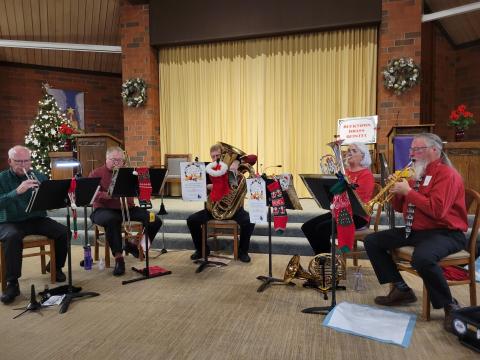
(72, 103)
(358, 129)
(194, 181)
(257, 200)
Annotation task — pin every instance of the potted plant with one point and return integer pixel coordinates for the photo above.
(66, 134)
(461, 119)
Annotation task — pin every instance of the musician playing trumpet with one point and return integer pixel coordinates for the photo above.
(16, 186)
(319, 229)
(433, 205)
(107, 211)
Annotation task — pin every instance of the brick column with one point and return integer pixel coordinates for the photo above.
(400, 36)
(141, 125)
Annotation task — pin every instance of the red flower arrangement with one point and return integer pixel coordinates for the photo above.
(461, 118)
(66, 131)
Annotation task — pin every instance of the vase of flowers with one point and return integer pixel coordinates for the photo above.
(461, 119)
(66, 134)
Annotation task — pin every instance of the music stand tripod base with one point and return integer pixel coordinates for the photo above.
(207, 263)
(268, 280)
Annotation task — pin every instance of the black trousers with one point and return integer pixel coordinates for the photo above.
(111, 220)
(196, 220)
(430, 247)
(12, 233)
(319, 231)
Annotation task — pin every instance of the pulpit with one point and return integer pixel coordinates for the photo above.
(91, 149)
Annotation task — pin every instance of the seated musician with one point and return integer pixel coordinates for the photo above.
(107, 211)
(319, 229)
(435, 199)
(15, 193)
(196, 220)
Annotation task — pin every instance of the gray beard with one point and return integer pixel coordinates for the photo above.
(419, 167)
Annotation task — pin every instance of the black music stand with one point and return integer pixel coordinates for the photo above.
(319, 187)
(127, 186)
(269, 280)
(53, 194)
(33, 305)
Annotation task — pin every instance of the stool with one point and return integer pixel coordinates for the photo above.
(32, 241)
(136, 226)
(221, 228)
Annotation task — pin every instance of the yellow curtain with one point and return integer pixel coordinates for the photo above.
(279, 98)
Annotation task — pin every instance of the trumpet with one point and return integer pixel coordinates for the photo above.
(384, 195)
(31, 176)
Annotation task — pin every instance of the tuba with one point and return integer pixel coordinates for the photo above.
(225, 208)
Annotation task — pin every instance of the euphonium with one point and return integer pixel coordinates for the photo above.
(225, 208)
(384, 195)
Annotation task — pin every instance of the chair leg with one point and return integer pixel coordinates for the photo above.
(95, 240)
(355, 257)
(107, 253)
(53, 262)
(425, 305)
(43, 265)
(235, 243)
(3, 267)
(204, 228)
(473, 293)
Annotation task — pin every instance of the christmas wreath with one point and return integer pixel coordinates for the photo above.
(401, 75)
(134, 92)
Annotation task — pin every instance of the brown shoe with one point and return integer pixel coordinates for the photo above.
(447, 323)
(396, 297)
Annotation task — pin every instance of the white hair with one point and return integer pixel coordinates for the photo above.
(435, 141)
(114, 149)
(13, 150)
(367, 159)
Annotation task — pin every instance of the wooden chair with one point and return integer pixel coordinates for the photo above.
(403, 257)
(217, 228)
(34, 241)
(361, 234)
(99, 232)
(172, 163)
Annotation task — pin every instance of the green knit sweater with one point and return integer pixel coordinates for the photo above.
(12, 205)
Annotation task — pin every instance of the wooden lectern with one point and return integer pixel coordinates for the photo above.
(91, 149)
(404, 130)
(58, 172)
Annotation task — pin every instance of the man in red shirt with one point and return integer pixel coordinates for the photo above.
(439, 223)
(107, 211)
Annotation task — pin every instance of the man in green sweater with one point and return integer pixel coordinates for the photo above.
(15, 192)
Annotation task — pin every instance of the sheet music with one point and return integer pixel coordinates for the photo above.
(193, 180)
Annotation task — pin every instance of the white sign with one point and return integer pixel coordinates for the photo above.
(194, 181)
(257, 200)
(358, 129)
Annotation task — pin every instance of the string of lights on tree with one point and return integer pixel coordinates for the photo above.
(43, 135)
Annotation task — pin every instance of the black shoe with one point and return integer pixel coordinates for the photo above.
(119, 267)
(396, 297)
(11, 292)
(198, 255)
(60, 276)
(449, 309)
(130, 248)
(244, 257)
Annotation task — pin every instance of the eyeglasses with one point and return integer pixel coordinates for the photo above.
(418, 149)
(116, 160)
(21, 161)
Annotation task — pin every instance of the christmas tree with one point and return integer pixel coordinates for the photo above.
(44, 136)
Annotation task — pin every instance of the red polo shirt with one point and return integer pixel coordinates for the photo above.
(440, 200)
(103, 200)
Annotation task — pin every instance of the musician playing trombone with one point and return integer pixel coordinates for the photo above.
(319, 229)
(16, 186)
(435, 200)
(108, 214)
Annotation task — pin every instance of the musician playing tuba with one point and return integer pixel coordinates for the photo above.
(433, 205)
(16, 187)
(319, 229)
(224, 178)
(107, 211)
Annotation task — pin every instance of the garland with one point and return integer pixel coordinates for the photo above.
(401, 75)
(134, 92)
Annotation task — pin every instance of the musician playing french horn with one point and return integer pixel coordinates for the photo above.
(108, 214)
(217, 190)
(16, 187)
(433, 205)
(319, 229)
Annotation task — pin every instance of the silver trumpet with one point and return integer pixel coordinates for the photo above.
(31, 176)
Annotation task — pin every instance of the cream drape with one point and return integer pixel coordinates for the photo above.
(279, 98)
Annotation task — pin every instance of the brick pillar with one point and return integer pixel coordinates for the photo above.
(400, 36)
(141, 125)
